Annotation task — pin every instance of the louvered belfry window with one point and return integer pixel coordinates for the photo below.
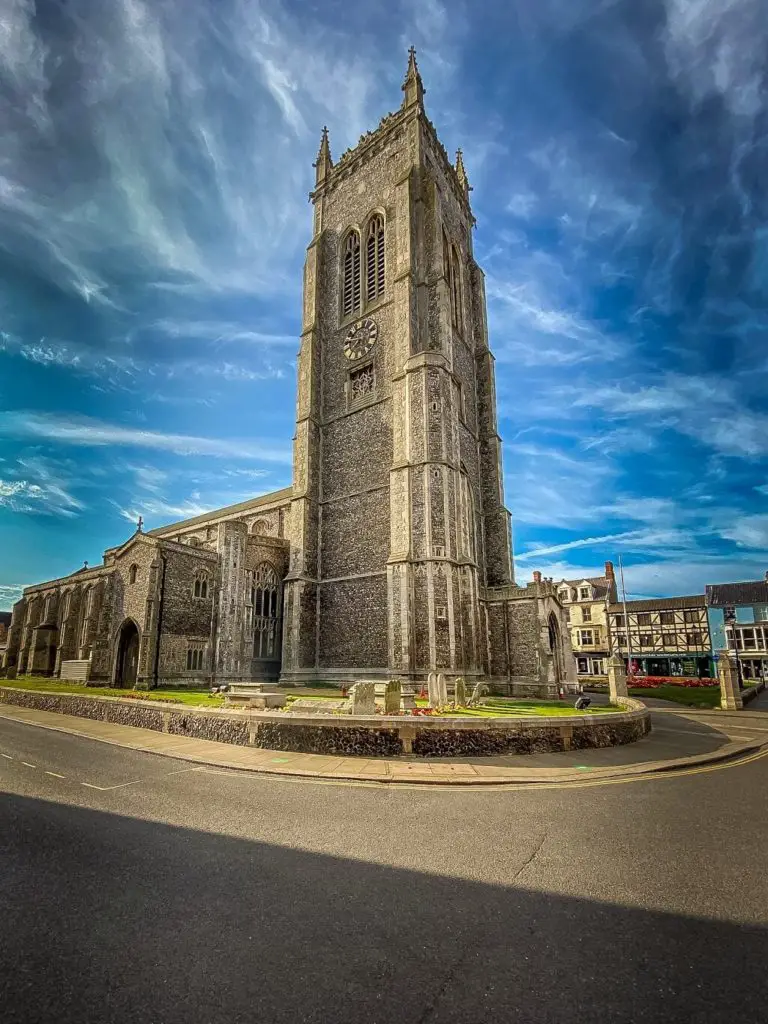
(351, 296)
(374, 258)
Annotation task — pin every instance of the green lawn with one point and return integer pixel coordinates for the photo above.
(186, 696)
(691, 696)
(491, 707)
(506, 707)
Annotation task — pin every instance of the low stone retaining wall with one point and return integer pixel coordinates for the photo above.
(377, 736)
(749, 693)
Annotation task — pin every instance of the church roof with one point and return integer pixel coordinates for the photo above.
(274, 497)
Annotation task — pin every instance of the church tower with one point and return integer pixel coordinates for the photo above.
(397, 517)
(390, 555)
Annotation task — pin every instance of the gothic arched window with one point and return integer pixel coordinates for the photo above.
(87, 609)
(201, 587)
(455, 288)
(132, 572)
(265, 598)
(374, 258)
(466, 517)
(351, 282)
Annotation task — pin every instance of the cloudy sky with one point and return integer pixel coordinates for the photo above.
(155, 160)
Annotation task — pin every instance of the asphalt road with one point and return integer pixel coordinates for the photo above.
(174, 893)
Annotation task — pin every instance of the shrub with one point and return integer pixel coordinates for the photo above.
(653, 682)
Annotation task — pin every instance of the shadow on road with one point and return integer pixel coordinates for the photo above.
(108, 918)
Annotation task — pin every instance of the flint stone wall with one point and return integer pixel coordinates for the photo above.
(365, 737)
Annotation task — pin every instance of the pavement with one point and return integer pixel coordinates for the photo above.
(141, 888)
(680, 739)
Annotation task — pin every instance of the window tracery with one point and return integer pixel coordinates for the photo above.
(361, 383)
(265, 602)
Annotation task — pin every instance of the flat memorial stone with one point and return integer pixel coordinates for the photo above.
(317, 707)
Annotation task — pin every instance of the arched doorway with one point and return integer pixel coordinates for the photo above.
(265, 598)
(555, 647)
(266, 615)
(127, 656)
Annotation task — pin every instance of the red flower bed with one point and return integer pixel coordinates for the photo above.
(652, 682)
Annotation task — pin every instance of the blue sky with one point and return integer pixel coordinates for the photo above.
(155, 160)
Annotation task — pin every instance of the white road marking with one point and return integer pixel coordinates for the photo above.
(105, 789)
(8, 756)
(135, 782)
(29, 765)
(56, 775)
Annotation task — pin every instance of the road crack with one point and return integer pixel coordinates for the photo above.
(530, 860)
(428, 1013)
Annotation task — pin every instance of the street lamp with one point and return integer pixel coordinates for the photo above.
(730, 620)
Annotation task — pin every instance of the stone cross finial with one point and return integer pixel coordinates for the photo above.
(413, 87)
(85, 565)
(140, 524)
(324, 164)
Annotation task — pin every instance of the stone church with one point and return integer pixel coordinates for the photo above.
(391, 554)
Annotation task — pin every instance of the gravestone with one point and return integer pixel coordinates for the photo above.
(480, 690)
(442, 690)
(460, 692)
(316, 706)
(617, 678)
(433, 693)
(407, 697)
(362, 699)
(392, 693)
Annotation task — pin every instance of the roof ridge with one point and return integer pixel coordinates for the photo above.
(205, 517)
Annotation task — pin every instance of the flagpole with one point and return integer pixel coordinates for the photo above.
(626, 616)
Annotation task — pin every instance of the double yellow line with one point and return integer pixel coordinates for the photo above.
(505, 787)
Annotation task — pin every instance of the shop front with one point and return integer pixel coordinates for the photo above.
(687, 666)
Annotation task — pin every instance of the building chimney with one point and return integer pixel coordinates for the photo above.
(609, 570)
(537, 577)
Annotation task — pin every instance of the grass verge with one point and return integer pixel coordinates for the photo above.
(193, 695)
(690, 696)
(505, 707)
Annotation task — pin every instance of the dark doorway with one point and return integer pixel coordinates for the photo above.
(554, 646)
(127, 656)
(51, 659)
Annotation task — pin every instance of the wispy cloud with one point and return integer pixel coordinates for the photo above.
(82, 431)
(34, 485)
(159, 510)
(10, 593)
(645, 540)
(715, 47)
(154, 165)
(749, 532)
(215, 331)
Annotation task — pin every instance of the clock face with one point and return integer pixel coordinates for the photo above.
(361, 339)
